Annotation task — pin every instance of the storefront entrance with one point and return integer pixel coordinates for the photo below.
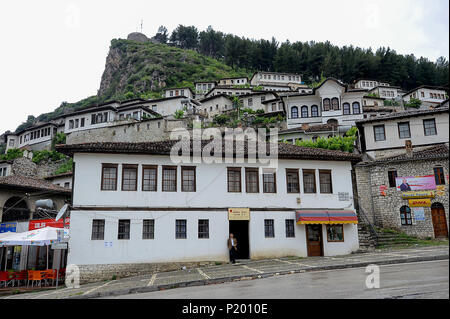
(239, 228)
(314, 240)
(439, 221)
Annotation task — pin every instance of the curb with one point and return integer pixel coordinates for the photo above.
(204, 282)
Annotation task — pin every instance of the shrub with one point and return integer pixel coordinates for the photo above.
(64, 168)
(221, 119)
(45, 155)
(413, 103)
(12, 154)
(179, 114)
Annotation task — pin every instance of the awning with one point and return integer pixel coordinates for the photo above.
(37, 237)
(304, 217)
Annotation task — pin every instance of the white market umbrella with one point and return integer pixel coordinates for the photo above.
(37, 237)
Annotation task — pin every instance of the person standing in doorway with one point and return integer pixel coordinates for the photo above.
(232, 248)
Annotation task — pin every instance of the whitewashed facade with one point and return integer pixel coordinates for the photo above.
(234, 81)
(173, 92)
(331, 102)
(368, 84)
(34, 138)
(274, 78)
(429, 95)
(388, 135)
(209, 199)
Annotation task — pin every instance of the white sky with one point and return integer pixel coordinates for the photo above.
(55, 50)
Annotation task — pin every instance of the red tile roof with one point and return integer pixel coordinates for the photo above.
(285, 151)
(28, 183)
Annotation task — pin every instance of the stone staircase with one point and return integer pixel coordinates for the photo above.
(366, 239)
(392, 238)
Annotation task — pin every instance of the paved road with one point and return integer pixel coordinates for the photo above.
(247, 269)
(422, 280)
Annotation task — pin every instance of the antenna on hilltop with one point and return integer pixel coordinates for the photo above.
(142, 25)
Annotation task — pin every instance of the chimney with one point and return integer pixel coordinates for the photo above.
(409, 148)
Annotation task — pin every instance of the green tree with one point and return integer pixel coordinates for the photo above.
(162, 35)
(185, 37)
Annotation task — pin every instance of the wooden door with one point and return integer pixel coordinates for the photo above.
(314, 240)
(439, 222)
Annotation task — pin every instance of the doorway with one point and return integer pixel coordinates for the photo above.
(314, 240)
(439, 220)
(239, 228)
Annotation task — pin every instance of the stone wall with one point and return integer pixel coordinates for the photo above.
(93, 273)
(24, 166)
(384, 211)
(395, 152)
(47, 168)
(146, 131)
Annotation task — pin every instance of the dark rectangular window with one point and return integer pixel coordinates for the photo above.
(251, 180)
(439, 175)
(429, 127)
(290, 230)
(149, 178)
(169, 181)
(148, 229)
(98, 229)
(188, 179)
(234, 179)
(203, 228)
(379, 133)
(269, 228)
(326, 185)
(404, 130)
(309, 181)
(109, 177)
(292, 181)
(180, 229)
(124, 229)
(269, 183)
(392, 175)
(335, 233)
(129, 177)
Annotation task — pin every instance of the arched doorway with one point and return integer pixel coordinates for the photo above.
(439, 220)
(15, 209)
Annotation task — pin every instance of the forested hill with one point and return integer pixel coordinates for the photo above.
(143, 69)
(311, 59)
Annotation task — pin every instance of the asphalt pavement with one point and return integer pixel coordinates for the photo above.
(420, 280)
(248, 272)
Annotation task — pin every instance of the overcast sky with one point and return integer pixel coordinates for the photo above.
(55, 50)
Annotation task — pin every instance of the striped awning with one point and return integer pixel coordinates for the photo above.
(326, 217)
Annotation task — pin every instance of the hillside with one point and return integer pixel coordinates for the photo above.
(136, 68)
(142, 69)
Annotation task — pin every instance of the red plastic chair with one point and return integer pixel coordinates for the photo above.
(20, 276)
(50, 274)
(36, 275)
(4, 278)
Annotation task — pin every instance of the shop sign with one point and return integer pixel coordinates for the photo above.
(59, 246)
(238, 213)
(420, 202)
(418, 194)
(8, 227)
(42, 223)
(415, 183)
(440, 190)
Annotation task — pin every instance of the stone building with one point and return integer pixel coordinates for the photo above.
(18, 196)
(387, 206)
